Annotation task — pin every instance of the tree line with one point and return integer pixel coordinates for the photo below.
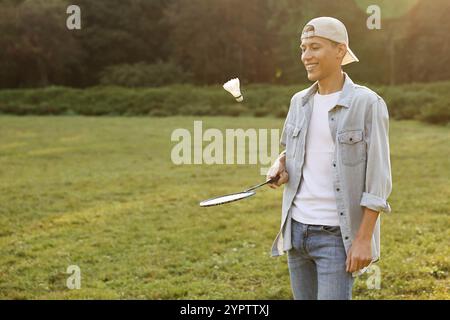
(209, 41)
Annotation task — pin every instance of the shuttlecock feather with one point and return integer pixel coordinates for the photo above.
(233, 87)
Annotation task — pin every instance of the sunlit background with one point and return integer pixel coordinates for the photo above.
(86, 117)
(205, 42)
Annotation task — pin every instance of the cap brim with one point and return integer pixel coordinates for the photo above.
(349, 57)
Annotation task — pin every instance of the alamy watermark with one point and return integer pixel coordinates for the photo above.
(74, 280)
(374, 20)
(374, 279)
(235, 146)
(73, 21)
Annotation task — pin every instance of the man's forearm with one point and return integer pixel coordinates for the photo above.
(367, 224)
(359, 255)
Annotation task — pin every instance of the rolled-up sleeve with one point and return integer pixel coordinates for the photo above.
(378, 182)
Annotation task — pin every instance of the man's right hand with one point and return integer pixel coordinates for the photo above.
(278, 170)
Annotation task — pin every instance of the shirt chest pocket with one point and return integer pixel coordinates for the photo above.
(352, 147)
(292, 142)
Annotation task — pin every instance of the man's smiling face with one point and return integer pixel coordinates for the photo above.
(321, 57)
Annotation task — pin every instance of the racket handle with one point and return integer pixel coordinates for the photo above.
(274, 179)
(264, 183)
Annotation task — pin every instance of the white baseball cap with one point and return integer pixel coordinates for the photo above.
(332, 29)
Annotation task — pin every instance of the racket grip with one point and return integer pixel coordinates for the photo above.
(274, 179)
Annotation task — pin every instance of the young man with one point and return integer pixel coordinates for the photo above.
(337, 170)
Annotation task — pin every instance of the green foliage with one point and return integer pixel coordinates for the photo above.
(426, 102)
(219, 39)
(102, 193)
(407, 104)
(437, 112)
(144, 75)
(37, 49)
(256, 40)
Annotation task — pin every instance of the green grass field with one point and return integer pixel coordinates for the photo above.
(103, 194)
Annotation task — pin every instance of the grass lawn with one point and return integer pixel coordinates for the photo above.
(103, 194)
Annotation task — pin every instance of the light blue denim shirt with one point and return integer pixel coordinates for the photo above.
(359, 125)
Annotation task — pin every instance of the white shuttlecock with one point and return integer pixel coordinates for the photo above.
(233, 87)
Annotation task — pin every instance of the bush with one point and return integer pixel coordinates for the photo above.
(429, 102)
(234, 110)
(436, 113)
(262, 112)
(195, 110)
(407, 104)
(144, 75)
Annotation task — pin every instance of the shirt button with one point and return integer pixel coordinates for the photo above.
(332, 119)
(346, 238)
(334, 164)
(337, 189)
(342, 213)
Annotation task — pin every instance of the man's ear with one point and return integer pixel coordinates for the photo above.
(342, 50)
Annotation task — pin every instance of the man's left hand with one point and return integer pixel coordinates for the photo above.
(359, 255)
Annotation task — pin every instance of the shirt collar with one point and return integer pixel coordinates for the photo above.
(345, 97)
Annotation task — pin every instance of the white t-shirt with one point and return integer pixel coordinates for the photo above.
(315, 202)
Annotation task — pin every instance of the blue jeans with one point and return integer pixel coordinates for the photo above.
(317, 263)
